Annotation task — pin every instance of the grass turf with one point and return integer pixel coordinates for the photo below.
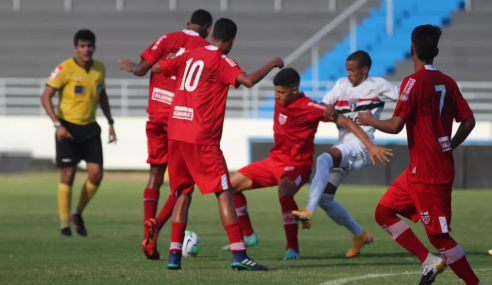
(32, 253)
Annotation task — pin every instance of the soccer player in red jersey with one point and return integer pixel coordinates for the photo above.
(289, 165)
(429, 102)
(161, 94)
(195, 130)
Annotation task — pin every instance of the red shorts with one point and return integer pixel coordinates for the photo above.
(431, 203)
(156, 130)
(268, 172)
(203, 165)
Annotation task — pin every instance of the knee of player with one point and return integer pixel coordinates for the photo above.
(324, 161)
(287, 187)
(382, 213)
(67, 175)
(96, 177)
(326, 200)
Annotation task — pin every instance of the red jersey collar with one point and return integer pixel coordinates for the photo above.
(428, 67)
(190, 32)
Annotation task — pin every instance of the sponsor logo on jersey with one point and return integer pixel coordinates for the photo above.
(289, 168)
(352, 103)
(183, 113)
(445, 143)
(159, 40)
(316, 105)
(282, 119)
(229, 60)
(79, 89)
(408, 87)
(55, 72)
(162, 95)
(425, 217)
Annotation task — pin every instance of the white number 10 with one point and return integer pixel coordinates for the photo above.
(188, 74)
(442, 89)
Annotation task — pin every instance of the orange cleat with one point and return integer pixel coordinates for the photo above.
(365, 238)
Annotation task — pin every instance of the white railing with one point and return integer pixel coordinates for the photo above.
(173, 5)
(128, 97)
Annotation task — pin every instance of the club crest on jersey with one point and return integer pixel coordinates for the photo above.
(425, 217)
(403, 97)
(282, 119)
(352, 103)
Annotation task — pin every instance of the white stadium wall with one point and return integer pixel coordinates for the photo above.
(36, 136)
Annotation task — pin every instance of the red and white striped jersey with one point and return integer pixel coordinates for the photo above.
(371, 95)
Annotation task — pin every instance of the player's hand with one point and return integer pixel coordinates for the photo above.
(380, 153)
(126, 65)
(365, 118)
(277, 62)
(112, 135)
(62, 133)
(330, 112)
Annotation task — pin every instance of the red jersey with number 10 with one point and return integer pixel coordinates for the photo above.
(198, 109)
(161, 87)
(429, 102)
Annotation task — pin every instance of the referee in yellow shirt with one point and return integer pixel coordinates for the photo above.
(80, 84)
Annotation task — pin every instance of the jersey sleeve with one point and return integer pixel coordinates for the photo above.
(406, 102)
(387, 91)
(332, 95)
(157, 50)
(171, 66)
(230, 70)
(316, 112)
(103, 76)
(58, 77)
(462, 110)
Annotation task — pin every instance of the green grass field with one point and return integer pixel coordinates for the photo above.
(32, 253)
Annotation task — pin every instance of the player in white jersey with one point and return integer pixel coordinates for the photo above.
(358, 92)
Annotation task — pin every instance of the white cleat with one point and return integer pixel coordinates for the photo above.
(431, 267)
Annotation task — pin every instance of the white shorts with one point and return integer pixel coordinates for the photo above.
(354, 156)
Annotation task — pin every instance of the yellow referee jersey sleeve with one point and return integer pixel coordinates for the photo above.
(78, 90)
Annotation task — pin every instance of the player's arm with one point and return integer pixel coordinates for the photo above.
(380, 153)
(249, 80)
(139, 69)
(104, 103)
(389, 126)
(464, 130)
(46, 101)
(169, 67)
(464, 115)
(148, 58)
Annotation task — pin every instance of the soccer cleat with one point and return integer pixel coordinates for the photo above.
(149, 243)
(251, 240)
(431, 267)
(292, 255)
(174, 261)
(304, 216)
(79, 224)
(241, 261)
(365, 238)
(66, 232)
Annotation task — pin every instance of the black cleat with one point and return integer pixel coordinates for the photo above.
(78, 222)
(66, 232)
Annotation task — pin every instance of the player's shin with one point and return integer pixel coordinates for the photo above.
(64, 198)
(230, 221)
(88, 191)
(324, 163)
(339, 214)
(455, 257)
(291, 227)
(400, 231)
(150, 202)
(241, 205)
(166, 211)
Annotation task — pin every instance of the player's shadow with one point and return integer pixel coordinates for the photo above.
(297, 265)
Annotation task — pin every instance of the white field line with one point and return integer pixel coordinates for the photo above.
(377, 275)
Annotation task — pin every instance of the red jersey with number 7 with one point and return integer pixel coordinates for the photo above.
(429, 102)
(161, 88)
(198, 109)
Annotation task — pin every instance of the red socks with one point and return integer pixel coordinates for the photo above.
(400, 231)
(166, 211)
(291, 227)
(151, 199)
(235, 237)
(241, 206)
(455, 257)
(177, 237)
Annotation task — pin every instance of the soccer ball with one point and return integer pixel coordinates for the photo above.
(192, 244)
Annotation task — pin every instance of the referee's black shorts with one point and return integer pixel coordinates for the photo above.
(85, 145)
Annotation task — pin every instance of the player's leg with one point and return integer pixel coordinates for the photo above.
(341, 216)
(434, 204)
(286, 190)
(91, 152)
(67, 158)
(178, 227)
(324, 163)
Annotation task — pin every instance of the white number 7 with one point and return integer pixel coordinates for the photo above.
(442, 89)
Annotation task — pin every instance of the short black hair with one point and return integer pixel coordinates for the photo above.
(287, 77)
(201, 18)
(361, 57)
(84, 35)
(425, 39)
(224, 30)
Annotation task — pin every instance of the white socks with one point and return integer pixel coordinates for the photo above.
(324, 163)
(339, 214)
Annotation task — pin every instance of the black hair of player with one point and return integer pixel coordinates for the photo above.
(224, 30)
(84, 35)
(425, 39)
(201, 18)
(362, 58)
(287, 77)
